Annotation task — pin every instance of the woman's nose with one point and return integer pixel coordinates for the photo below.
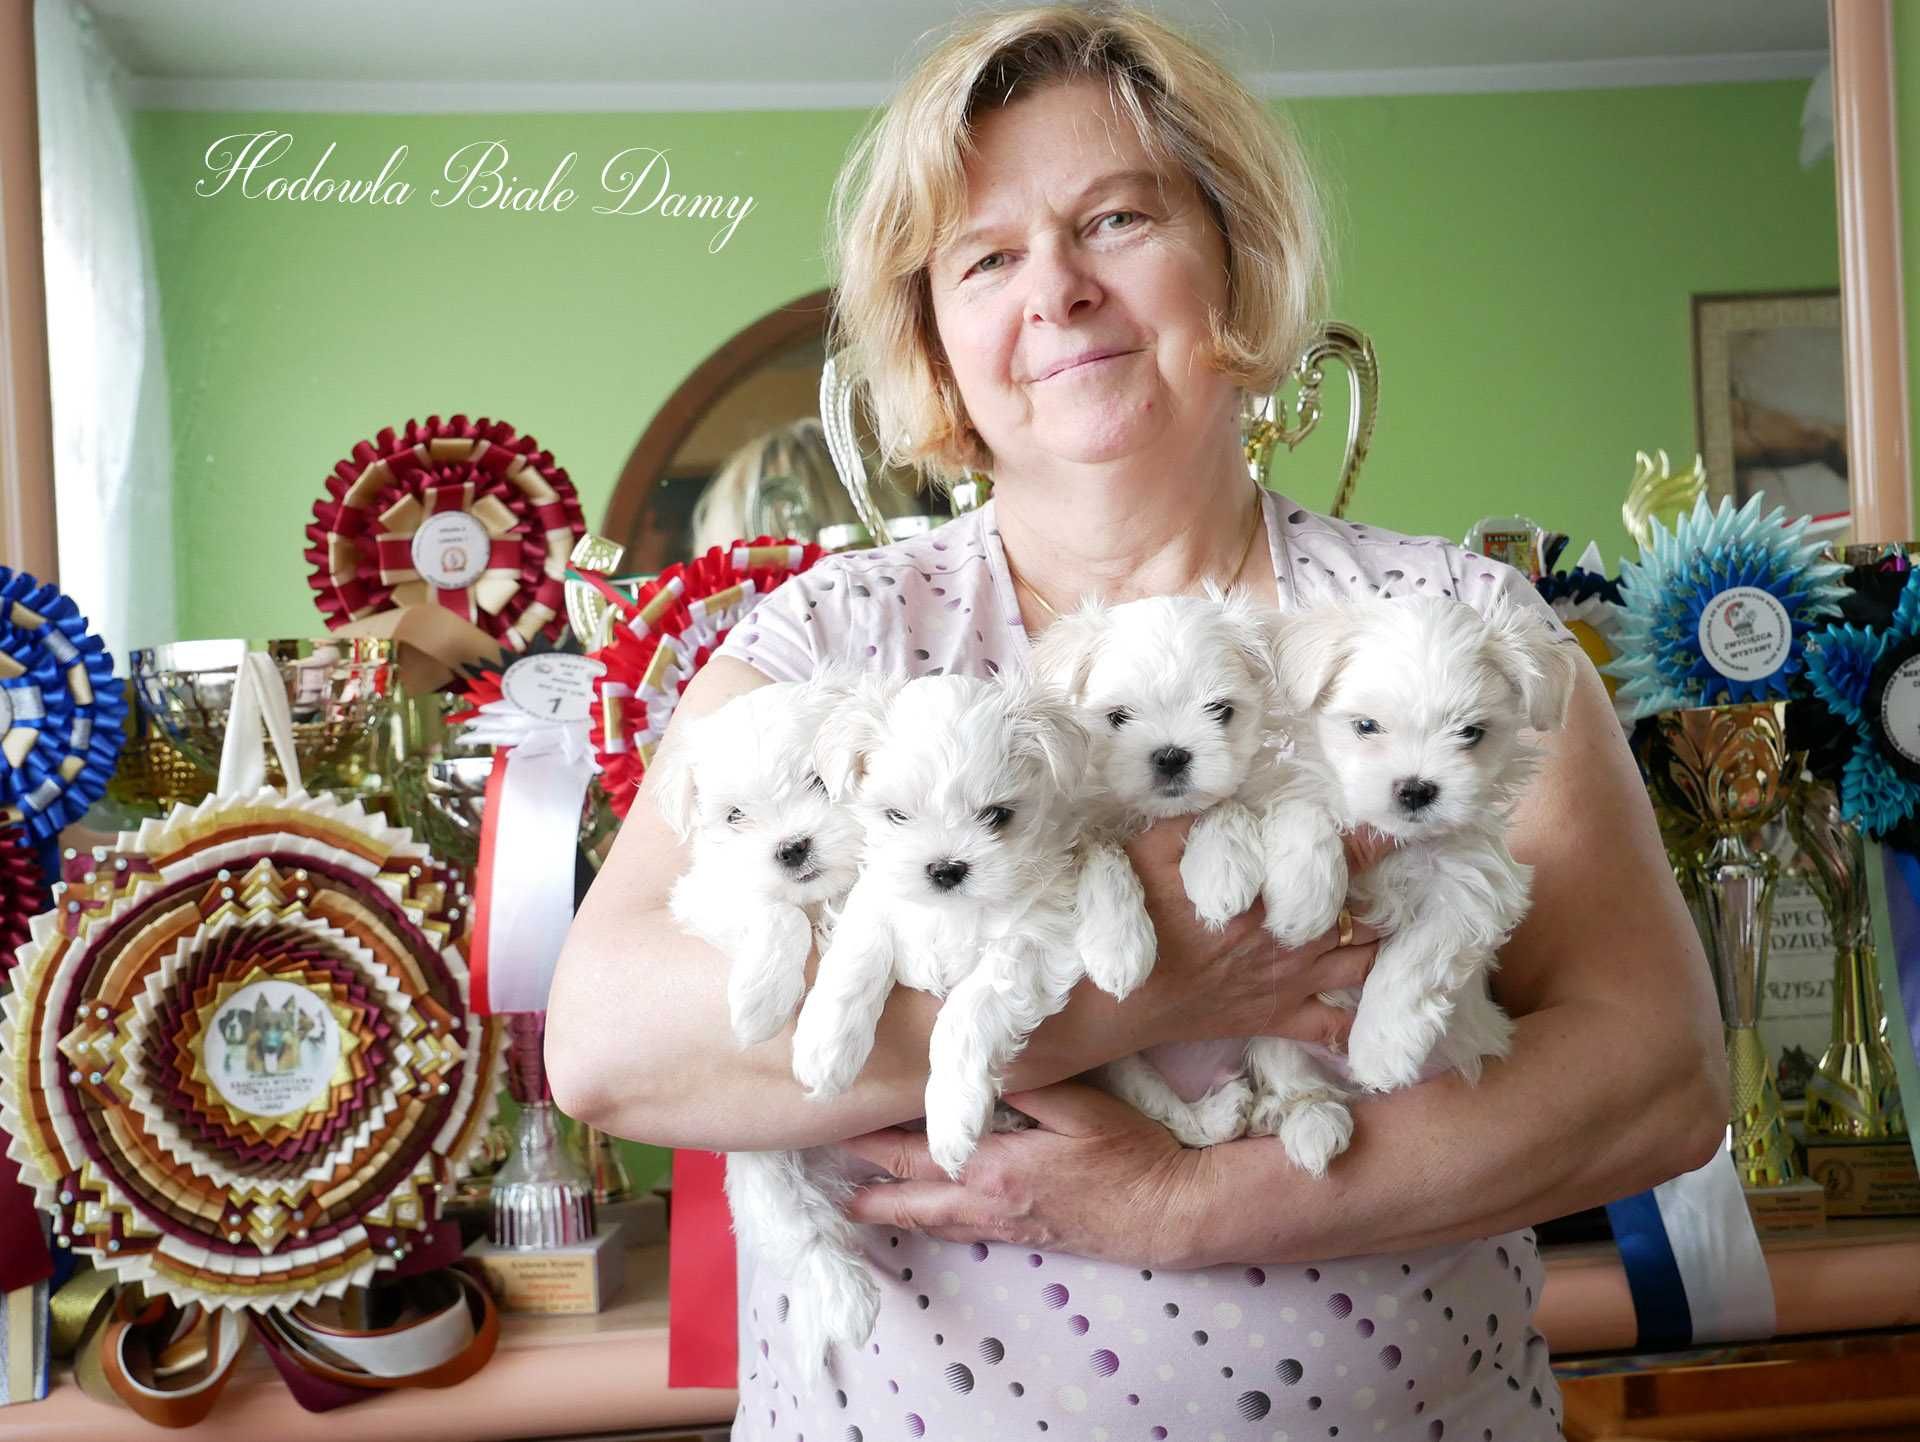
(1060, 283)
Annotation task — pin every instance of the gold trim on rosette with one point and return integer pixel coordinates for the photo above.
(256, 1010)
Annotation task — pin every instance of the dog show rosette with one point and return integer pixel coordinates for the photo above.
(468, 516)
(23, 892)
(1719, 609)
(63, 715)
(238, 1064)
(1866, 679)
(665, 635)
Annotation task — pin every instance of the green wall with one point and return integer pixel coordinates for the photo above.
(1522, 262)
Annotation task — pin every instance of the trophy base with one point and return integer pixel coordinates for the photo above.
(1797, 1208)
(1866, 1179)
(582, 1278)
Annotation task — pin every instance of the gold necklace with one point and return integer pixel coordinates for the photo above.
(1259, 514)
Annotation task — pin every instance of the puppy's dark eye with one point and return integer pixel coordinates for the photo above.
(895, 815)
(735, 816)
(996, 817)
(817, 783)
(1118, 717)
(1366, 726)
(1471, 734)
(1221, 711)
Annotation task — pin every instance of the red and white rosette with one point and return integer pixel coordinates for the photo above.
(465, 515)
(665, 635)
(23, 891)
(534, 714)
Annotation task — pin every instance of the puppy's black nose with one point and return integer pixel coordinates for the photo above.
(1170, 761)
(793, 853)
(1414, 793)
(946, 874)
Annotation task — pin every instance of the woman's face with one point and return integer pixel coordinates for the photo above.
(1069, 248)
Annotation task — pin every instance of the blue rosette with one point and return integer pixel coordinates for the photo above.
(1719, 610)
(63, 714)
(1864, 673)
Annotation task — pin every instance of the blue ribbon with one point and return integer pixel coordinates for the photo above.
(76, 738)
(1660, 1307)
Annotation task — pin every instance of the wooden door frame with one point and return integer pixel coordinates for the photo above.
(28, 540)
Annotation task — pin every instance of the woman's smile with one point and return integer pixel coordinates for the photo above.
(1088, 367)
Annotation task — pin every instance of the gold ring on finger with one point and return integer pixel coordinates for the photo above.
(1346, 927)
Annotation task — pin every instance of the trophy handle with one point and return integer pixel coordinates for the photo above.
(1336, 342)
(843, 444)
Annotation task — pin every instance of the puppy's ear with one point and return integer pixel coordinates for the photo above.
(1524, 648)
(1310, 647)
(670, 778)
(849, 733)
(1064, 653)
(1047, 730)
(1253, 630)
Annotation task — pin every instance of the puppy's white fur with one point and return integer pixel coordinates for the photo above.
(770, 853)
(963, 787)
(1413, 720)
(1175, 692)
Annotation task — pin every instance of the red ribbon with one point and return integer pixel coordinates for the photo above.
(703, 1308)
(24, 1259)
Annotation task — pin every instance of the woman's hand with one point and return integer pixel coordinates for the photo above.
(1093, 1177)
(1239, 982)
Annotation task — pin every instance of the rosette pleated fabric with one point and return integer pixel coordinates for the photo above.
(63, 715)
(665, 634)
(466, 515)
(238, 1064)
(23, 892)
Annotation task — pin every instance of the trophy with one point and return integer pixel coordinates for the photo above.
(1725, 771)
(1853, 1095)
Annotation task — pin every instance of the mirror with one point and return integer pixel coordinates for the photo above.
(270, 234)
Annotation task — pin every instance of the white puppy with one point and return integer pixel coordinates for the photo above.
(770, 852)
(964, 788)
(1175, 692)
(1412, 719)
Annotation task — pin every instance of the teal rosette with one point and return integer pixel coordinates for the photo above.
(1719, 610)
(63, 715)
(1867, 677)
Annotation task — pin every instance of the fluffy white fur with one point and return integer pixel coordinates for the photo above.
(1412, 713)
(1175, 692)
(966, 889)
(770, 853)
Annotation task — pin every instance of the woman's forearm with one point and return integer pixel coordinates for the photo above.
(657, 1062)
(1447, 1161)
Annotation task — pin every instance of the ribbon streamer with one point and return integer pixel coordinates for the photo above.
(1893, 879)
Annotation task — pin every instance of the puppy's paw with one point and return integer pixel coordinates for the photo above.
(1385, 1053)
(1219, 1116)
(763, 988)
(1298, 913)
(1118, 952)
(1221, 867)
(1477, 1032)
(822, 1063)
(953, 1130)
(1314, 1130)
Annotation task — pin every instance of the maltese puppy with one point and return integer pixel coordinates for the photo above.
(770, 853)
(1175, 692)
(965, 789)
(1411, 719)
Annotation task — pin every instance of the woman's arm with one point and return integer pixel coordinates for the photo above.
(638, 1041)
(1617, 1081)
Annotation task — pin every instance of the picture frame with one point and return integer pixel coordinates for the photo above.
(1770, 398)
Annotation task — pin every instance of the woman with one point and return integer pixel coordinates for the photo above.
(1075, 246)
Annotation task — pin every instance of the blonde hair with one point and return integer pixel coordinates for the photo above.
(902, 195)
(798, 451)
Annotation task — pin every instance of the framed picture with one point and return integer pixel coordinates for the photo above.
(1770, 398)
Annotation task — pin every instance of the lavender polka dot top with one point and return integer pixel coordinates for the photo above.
(992, 1342)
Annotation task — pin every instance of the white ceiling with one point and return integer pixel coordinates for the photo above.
(762, 54)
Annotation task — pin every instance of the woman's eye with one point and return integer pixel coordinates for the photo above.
(1118, 214)
(996, 817)
(1118, 717)
(1472, 734)
(1221, 711)
(895, 815)
(981, 265)
(735, 816)
(1366, 726)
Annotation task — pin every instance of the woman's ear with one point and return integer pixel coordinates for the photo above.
(1064, 653)
(1541, 664)
(849, 733)
(1309, 648)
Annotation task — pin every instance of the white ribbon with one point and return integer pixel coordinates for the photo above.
(259, 699)
(1729, 1291)
(544, 768)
